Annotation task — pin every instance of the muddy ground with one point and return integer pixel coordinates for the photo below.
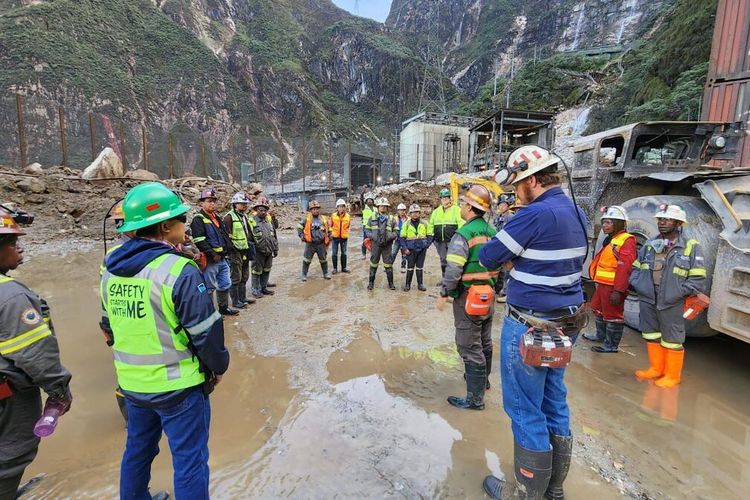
(334, 392)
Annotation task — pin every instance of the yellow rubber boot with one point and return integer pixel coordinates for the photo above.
(656, 354)
(673, 371)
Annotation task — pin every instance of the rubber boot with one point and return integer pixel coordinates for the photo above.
(371, 278)
(257, 293)
(533, 470)
(223, 299)
(656, 357)
(243, 294)
(601, 330)
(344, 269)
(324, 268)
(305, 269)
(403, 265)
(234, 294)
(562, 447)
(407, 280)
(334, 261)
(673, 368)
(389, 274)
(442, 274)
(612, 341)
(264, 284)
(488, 367)
(420, 281)
(270, 285)
(476, 379)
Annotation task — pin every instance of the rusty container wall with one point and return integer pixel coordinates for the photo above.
(727, 95)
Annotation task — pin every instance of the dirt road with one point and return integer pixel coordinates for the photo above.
(336, 393)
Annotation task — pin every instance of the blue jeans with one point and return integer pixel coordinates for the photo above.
(534, 398)
(186, 426)
(337, 243)
(394, 253)
(218, 276)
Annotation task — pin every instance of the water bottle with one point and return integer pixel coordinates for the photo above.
(46, 424)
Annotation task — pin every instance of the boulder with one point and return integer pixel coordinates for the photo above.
(253, 189)
(142, 175)
(31, 185)
(34, 169)
(107, 164)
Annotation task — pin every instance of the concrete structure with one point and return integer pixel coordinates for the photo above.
(434, 143)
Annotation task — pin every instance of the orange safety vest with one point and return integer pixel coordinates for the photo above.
(604, 264)
(308, 228)
(340, 225)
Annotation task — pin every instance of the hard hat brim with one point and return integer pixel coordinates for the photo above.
(552, 160)
(154, 219)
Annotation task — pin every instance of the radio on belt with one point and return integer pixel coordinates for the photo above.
(548, 348)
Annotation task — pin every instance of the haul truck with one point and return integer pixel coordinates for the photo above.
(702, 166)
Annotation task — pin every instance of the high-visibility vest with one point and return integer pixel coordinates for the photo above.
(409, 232)
(367, 214)
(444, 223)
(476, 232)
(151, 348)
(340, 225)
(604, 264)
(307, 230)
(239, 231)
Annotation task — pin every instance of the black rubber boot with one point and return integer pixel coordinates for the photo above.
(533, 470)
(488, 366)
(234, 294)
(264, 284)
(222, 298)
(305, 269)
(344, 269)
(371, 278)
(420, 281)
(403, 265)
(334, 261)
(562, 450)
(243, 294)
(324, 268)
(389, 274)
(476, 378)
(442, 271)
(407, 280)
(257, 293)
(612, 341)
(601, 330)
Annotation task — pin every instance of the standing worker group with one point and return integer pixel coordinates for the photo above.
(29, 361)
(471, 284)
(241, 249)
(415, 239)
(545, 244)
(168, 343)
(212, 239)
(669, 269)
(266, 247)
(444, 222)
(382, 231)
(314, 231)
(340, 224)
(610, 269)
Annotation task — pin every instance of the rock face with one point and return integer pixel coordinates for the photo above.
(106, 165)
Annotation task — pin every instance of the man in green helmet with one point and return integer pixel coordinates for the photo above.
(444, 222)
(168, 343)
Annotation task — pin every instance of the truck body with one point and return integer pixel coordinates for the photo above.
(702, 166)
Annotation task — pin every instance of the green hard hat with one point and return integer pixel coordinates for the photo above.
(148, 204)
(445, 193)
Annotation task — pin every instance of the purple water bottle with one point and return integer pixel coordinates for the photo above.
(46, 424)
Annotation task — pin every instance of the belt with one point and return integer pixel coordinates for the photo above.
(518, 313)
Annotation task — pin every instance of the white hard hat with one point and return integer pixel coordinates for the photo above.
(240, 198)
(671, 212)
(401, 206)
(383, 201)
(414, 208)
(615, 212)
(340, 202)
(369, 196)
(524, 162)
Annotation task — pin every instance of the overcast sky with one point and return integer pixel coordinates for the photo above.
(374, 9)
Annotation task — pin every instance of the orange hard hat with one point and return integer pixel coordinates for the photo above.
(261, 201)
(314, 204)
(479, 197)
(8, 224)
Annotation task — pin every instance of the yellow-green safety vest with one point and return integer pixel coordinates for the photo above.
(239, 234)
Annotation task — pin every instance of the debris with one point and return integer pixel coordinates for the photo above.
(31, 185)
(34, 169)
(107, 164)
(142, 175)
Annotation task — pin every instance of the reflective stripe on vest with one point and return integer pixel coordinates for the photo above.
(209, 222)
(477, 232)
(409, 232)
(307, 230)
(151, 352)
(604, 265)
(239, 232)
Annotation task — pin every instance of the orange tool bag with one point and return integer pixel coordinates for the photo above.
(479, 300)
(695, 304)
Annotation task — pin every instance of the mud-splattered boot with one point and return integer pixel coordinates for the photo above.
(324, 268)
(371, 278)
(420, 281)
(601, 330)
(533, 470)
(222, 297)
(344, 269)
(476, 378)
(562, 447)
(255, 283)
(234, 293)
(389, 274)
(612, 341)
(407, 279)
(243, 294)
(305, 269)
(488, 366)
(264, 284)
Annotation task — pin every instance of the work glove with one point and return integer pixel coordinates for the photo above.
(615, 298)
